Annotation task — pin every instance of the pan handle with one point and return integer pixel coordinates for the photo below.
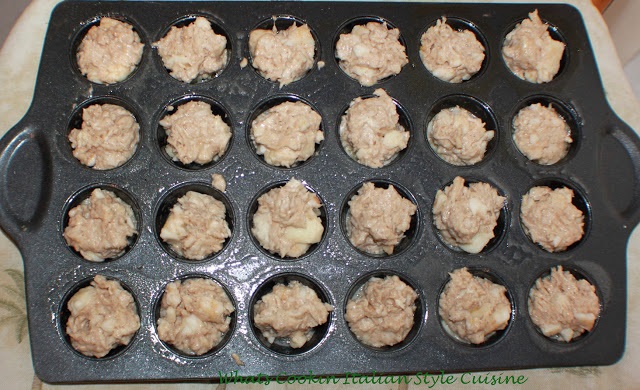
(628, 139)
(25, 180)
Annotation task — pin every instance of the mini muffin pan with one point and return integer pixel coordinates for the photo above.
(40, 180)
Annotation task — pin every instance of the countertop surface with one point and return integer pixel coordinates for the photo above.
(19, 61)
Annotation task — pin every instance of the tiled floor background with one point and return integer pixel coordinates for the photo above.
(622, 17)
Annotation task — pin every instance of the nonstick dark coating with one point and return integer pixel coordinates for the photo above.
(40, 178)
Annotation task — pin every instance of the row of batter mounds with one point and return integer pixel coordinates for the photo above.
(284, 21)
(423, 314)
(470, 103)
(420, 220)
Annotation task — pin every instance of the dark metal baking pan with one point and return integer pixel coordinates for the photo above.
(39, 177)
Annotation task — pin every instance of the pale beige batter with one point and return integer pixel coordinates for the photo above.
(382, 313)
(290, 311)
(287, 221)
(194, 315)
(473, 308)
(370, 131)
(109, 52)
(452, 56)
(103, 316)
(563, 307)
(107, 138)
(371, 52)
(466, 216)
(378, 218)
(193, 51)
(283, 56)
(530, 52)
(100, 227)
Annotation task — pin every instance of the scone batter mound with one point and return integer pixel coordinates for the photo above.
(108, 136)
(382, 313)
(290, 311)
(466, 216)
(371, 52)
(550, 219)
(287, 220)
(196, 226)
(378, 218)
(563, 307)
(530, 52)
(103, 316)
(194, 315)
(194, 51)
(370, 132)
(109, 52)
(473, 308)
(283, 56)
(458, 136)
(452, 56)
(195, 134)
(541, 134)
(287, 133)
(100, 226)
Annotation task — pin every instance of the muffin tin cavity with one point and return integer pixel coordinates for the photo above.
(253, 207)
(281, 23)
(497, 336)
(161, 134)
(476, 107)
(404, 120)
(167, 202)
(75, 122)
(84, 194)
(272, 102)
(579, 275)
(554, 32)
(419, 317)
(411, 235)
(217, 27)
(281, 346)
(151, 183)
(64, 314)
(579, 200)
(499, 231)
(80, 34)
(566, 112)
(227, 336)
(460, 24)
(347, 27)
